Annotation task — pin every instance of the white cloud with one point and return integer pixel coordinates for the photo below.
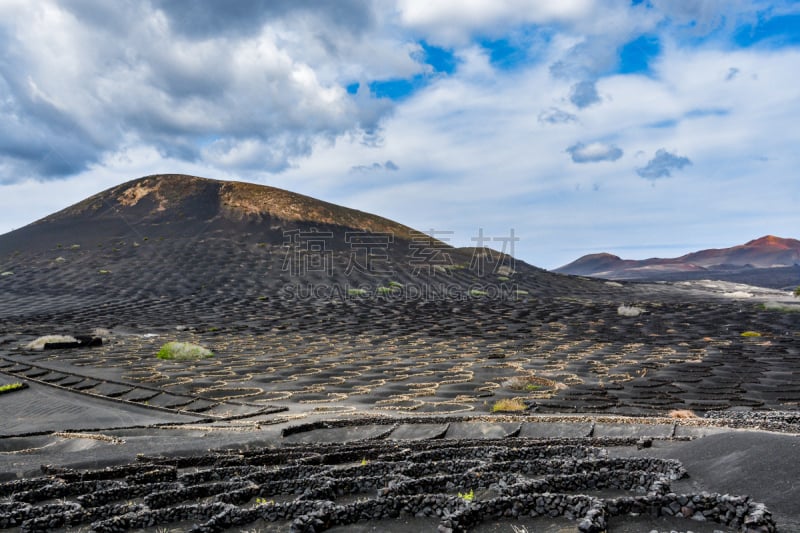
(594, 152)
(454, 21)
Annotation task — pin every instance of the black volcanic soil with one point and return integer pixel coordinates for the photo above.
(393, 362)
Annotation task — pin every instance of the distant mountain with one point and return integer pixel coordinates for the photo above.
(736, 263)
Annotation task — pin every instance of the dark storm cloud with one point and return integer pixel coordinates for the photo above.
(37, 138)
(662, 165)
(239, 85)
(202, 19)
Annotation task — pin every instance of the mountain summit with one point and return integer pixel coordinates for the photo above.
(177, 204)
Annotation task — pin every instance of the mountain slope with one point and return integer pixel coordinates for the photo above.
(199, 244)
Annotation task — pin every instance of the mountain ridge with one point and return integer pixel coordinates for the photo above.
(764, 252)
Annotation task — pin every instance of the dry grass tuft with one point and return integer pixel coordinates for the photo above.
(682, 413)
(509, 405)
(39, 343)
(528, 383)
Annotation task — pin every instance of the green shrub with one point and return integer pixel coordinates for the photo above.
(385, 290)
(750, 334)
(182, 351)
(356, 292)
(467, 496)
(477, 293)
(395, 285)
(503, 278)
(7, 273)
(797, 292)
(11, 387)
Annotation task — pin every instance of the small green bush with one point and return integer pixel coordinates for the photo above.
(7, 273)
(356, 292)
(477, 293)
(797, 292)
(467, 496)
(397, 285)
(11, 387)
(182, 351)
(750, 334)
(385, 290)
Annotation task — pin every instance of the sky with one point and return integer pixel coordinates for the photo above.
(645, 128)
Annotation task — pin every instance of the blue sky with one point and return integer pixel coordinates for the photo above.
(645, 128)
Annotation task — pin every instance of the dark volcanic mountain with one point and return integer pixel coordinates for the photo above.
(178, 205)
(769, 261)
(199, 243)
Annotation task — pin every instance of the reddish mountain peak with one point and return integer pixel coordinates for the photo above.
(602, 255)
(771, 241)
(592, 263)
